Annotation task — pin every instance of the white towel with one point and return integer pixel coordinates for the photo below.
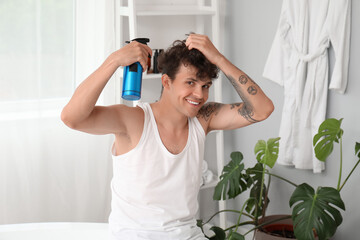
(207, 175)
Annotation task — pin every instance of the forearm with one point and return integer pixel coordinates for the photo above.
(83, 101)
(256, 106)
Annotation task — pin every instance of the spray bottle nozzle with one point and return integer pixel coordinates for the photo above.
(140, 40)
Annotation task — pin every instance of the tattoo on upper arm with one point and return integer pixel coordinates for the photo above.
(247, 111)
(208, 109)
(245, 108)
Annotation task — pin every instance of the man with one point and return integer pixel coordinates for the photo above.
(159, 147)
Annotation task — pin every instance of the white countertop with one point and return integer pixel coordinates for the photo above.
(54, 231)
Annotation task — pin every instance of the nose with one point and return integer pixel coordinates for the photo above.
(198, 92)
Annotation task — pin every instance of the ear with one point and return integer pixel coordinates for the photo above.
(165, 81)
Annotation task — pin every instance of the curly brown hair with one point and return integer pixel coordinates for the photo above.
(170, 61)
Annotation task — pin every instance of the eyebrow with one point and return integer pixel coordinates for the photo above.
(196, 80)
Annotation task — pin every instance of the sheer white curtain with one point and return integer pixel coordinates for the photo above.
(49, 172)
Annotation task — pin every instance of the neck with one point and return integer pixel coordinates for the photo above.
(169, 117)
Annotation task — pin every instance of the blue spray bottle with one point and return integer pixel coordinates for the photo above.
(132, 77)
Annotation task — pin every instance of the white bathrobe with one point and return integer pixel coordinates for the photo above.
(298, 61)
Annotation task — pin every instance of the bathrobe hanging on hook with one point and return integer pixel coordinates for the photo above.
(298, 61)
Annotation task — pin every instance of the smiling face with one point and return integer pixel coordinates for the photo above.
(186, 92)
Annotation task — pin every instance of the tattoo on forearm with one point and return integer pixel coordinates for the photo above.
(208, 109)
(243, 79)
(237, 87)
(252, 90)
(245, 108)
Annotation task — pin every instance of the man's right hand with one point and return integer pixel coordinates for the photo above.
(131, 53)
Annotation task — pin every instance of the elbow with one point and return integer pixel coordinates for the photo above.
(267, 110)
(66, 119)
(270, 108)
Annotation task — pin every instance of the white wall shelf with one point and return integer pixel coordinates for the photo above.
(147, 10)
(152, 76)
(133, 11)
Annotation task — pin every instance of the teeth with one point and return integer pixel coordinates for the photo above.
(195, 103)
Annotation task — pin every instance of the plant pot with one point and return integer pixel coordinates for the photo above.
(273, 230)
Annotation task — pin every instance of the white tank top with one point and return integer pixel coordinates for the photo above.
(154, 192)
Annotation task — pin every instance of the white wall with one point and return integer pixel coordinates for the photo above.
(249, 30)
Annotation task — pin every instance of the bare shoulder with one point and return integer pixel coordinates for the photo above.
(132, 117)
(122, 109)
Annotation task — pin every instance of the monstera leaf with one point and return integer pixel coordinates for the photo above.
(267, 152)
(328, 133)
(235, 236)
(231, 178)
(254, 183)
(316, 211)
(219, 233)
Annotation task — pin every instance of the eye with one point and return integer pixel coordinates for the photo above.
(206, 86)
(190, 83)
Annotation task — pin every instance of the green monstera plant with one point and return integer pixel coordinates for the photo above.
(314, 212)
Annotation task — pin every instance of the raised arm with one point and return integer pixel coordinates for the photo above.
(255, 105)
(82, 114)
